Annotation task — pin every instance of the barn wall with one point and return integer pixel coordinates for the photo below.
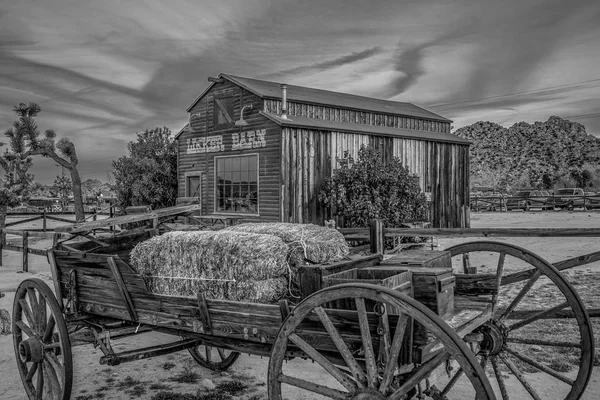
(202, 126)
(309, 156)
(356, 116)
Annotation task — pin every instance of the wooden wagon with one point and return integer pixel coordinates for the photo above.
(433, 338)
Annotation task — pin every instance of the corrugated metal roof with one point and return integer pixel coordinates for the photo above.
(320, 124)
(272, 90)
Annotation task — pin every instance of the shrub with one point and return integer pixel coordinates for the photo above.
(370, 188)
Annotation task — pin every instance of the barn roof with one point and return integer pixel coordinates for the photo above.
(272, 90)
(320, 124)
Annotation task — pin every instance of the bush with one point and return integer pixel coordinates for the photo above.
(368, 188)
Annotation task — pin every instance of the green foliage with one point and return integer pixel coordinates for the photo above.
(368, 188)
(542, 155)
(149, 174)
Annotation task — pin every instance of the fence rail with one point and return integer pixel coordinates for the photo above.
(507, 203)
(25, 235)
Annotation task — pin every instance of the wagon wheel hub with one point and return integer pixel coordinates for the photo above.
(31, 350)
(368, 394)
(493, 338)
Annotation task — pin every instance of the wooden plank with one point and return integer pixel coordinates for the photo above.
(204, 314)
(123, 289)
(25, 252)
(164, 212)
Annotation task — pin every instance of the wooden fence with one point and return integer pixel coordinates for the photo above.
(508, 203)
(24, 247)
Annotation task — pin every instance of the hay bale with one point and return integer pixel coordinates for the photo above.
(313, 243)
(226, 265)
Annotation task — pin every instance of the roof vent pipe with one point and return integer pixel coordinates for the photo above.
(283, 101)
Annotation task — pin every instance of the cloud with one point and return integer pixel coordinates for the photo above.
(326, 65)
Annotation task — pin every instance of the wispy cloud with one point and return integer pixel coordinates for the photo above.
(326, 65)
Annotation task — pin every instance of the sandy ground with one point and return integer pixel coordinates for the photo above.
(92, 380)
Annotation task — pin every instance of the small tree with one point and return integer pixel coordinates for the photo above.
(149, 174)
(369, 188)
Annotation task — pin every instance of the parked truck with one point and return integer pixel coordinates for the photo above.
(569, 198)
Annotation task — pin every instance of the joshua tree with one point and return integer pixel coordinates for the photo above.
(46, 145)
(16, 180)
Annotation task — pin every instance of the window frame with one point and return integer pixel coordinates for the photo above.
(216, 185)
(216, 109)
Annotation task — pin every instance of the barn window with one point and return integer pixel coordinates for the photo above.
(236, 184)
(223, 110)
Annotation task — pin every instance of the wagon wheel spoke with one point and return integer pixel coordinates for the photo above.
(25, 328)
(499, 378)
(499, 272)
(42, 315)
(208, 351)
(515, 302)
(222, 354)
(55, 363)
(420, 374)
(452, 381)
(519, 375)
(367, 342)
(313, 387)
(538, 316)
(39, 386)
(28, 313)
(322, 361)
(540, 366)
(31, 372)
(49, 328)
(537, 342)
(52, 383)
(395, 348)
(345, 352)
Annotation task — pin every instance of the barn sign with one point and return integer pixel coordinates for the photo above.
(240, 141)
(249, 140)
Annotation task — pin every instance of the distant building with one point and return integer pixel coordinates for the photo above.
(260, 150)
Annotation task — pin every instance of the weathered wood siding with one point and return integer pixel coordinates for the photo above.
(310, 156)
(202, 125)
(356, 116)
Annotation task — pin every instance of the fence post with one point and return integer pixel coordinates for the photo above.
(110, 215)
(25, 251)
(55, 239)
(44, 221)
(2, 241)
(376, 236)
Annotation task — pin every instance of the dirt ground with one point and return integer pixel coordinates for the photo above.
(143, 379)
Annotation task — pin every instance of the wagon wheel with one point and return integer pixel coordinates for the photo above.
(214, 358)
(372, 371)
(523, 336)
(41, 342)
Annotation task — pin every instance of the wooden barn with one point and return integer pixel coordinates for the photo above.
(260, 150)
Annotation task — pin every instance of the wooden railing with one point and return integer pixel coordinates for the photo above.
(24, 247)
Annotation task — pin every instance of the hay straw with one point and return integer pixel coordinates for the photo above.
(226, 265)
(314, 243)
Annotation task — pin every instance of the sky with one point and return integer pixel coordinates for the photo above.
(102, 70)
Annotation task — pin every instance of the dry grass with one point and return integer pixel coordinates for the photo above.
(307, 242)
(224, 265)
